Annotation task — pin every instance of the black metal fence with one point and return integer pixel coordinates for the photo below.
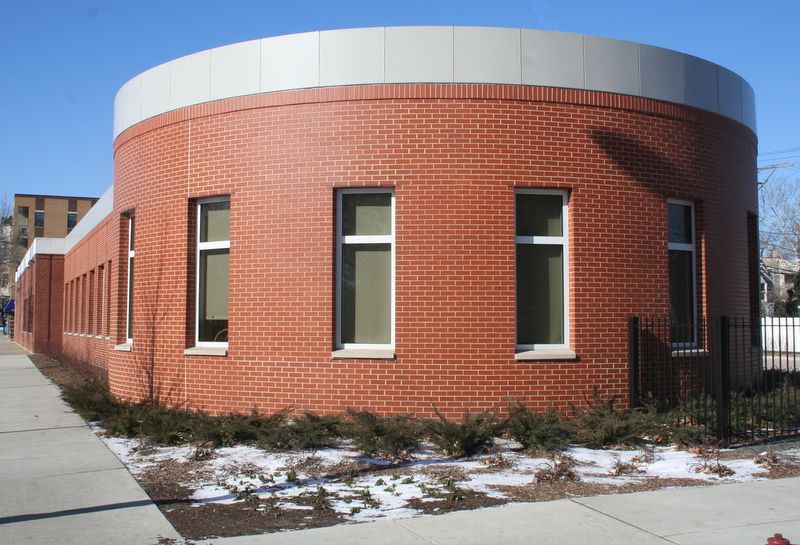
(737, 380)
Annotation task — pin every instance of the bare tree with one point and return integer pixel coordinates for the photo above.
(780, 218)
(8, 251)
(779, 229)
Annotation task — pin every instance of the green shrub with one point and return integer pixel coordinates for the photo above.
(474, 434)
(535, 431)
(602, 425)
(389, 437)
(310, 431)
(91, 399)
(123, 422)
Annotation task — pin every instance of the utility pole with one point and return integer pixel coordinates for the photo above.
(773, 167)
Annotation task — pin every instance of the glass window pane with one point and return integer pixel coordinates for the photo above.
(367, 214)
(38, 219)
(680, 223)
(72, 220)
(213, 317)
(539, 215)
(366, 294)
(681, 296)
(130, 298)
(215, 221)
(131, 231)
(540, 294)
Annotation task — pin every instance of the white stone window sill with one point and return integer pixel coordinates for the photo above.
(546, 354)
(205, 351)
(125, 347)
(363, 354)
(689, 353)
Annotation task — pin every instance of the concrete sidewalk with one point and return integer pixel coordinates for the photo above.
(732, 514)
(60, 484)
(58, 481)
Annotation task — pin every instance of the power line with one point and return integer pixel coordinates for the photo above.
(778, 152)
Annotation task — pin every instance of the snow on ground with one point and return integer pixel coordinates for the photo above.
(235, 474)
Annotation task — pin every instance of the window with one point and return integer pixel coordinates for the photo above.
(79, 306)
(542, 285)
(85, 309)
(65, 308)
(129, 299)
(754, 280)
(99, 299)
(365, 269)
(38, 223)
(213, 253)
(72, 220)
(107, 301)
(75, 305)
(682, 297)
(22, 225)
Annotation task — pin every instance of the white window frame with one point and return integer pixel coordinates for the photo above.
(563, 241)
(205, 246)
(686, 247)
(128, 293)
(341, 240)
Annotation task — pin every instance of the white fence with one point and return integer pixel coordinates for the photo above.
(780, 334)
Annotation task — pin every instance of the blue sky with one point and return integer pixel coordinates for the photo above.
(62, 61)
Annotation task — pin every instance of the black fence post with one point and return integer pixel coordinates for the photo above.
(633, 361)
(720, 354)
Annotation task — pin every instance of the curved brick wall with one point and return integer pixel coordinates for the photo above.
(454, 154)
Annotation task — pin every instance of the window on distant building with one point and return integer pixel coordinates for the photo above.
(38, 223)
(72, 220)
(365, 269)
(682, 284)
(542, 285)
(213, 255)
(22, 225)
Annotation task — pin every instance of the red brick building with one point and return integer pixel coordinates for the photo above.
(407, 218)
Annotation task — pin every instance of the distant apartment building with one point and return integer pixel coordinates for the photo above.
(36, 216)
(47, 216)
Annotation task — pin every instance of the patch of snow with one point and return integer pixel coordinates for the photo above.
(386, 495)
(294, 506)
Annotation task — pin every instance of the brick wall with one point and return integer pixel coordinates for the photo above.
(39, 305)
(454, 155)
(91, 272)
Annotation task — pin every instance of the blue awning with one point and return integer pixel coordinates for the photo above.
(9, 306)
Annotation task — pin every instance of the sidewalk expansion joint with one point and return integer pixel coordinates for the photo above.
(625, 522)
(421, 536)
(44, 429)
(781, 521)
(25, 386)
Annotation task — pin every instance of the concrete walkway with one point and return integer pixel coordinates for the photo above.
(733, 514)
(59, 484)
